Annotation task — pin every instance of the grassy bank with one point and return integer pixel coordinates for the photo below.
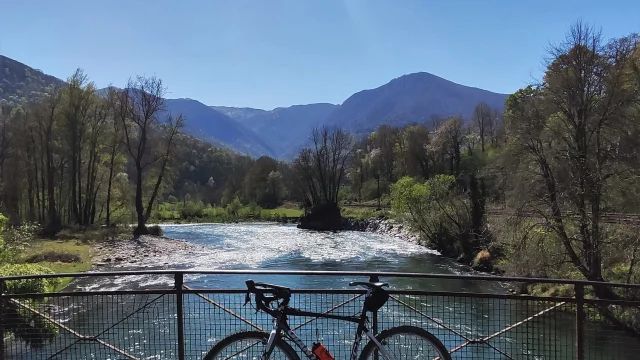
(61, 256)
(71, 252)
(362, 213)
(196, 213)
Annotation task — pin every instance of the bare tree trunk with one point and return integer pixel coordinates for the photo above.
(109, 183)
(141, 229)
(42, 182)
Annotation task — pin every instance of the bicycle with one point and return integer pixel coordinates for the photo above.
(273, 343)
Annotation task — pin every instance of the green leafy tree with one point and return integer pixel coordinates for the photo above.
(572, 137)
(441, 214)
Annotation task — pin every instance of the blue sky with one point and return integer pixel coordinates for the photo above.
(273, 53)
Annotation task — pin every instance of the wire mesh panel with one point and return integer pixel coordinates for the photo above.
(93, 327)
(610, 327)
(209, 317)
(145, 324)
(487, 328)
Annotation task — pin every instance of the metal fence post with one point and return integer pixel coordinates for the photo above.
(374, 320)
(580, 317)
(179, 282)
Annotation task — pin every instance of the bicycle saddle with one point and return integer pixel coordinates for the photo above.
(370, 285)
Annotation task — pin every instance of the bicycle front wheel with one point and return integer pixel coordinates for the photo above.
(250, 345)
(406, 342)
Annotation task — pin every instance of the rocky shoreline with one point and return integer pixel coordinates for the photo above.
(129, 252)
(399, 230)
(383, 226)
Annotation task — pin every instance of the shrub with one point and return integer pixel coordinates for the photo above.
(482, 261)
(234, 207)
(53, 256)
(192, 209)
(155, 230)
(20, 235)
(440, 213)
(28, 285)
(30, 328)
(254, 209)
(529, 249)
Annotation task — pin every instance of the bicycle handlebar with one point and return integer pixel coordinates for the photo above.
(262, 301)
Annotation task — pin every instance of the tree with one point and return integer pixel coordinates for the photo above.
(375, 162)
(4, 138)
(568, 134)
(358, 172)
(447, 141)
(320, 171)
(322, 167)
(417, 139)
(78, 97)
(441, 214)
(275, 189)
(256, 183)
(385, 139)
(483, 122)
(497, 130)
(141, 106)
(115, 146)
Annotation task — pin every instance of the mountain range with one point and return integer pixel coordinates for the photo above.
(285, 129)
(282, 132)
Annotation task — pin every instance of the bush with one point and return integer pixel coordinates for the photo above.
(440, 213)
(20, 235)
(234, 207)
(30, 328)
(192, 209)
(14, 240)
(482, 261)
(53, 256)
(529, 249)
(155, 230)
(28, 285)
(254, 210)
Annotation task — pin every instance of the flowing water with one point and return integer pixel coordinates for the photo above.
(284, 247)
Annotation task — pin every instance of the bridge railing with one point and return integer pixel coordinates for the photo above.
(183, 314)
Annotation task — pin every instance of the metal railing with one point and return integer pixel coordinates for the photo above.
(182, 314)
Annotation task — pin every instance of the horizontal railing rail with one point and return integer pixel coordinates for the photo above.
(183, 317)
(380, 274)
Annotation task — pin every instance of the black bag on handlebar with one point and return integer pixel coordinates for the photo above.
(376, 300)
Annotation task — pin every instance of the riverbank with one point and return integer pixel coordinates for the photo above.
(383, 226)
(219, 215)
(129, 252)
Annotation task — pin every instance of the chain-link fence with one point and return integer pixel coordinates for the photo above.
(179, 321)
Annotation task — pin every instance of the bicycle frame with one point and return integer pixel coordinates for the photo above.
(281, 324)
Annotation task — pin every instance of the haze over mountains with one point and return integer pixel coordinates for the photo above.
(282, 132)
(285, 129)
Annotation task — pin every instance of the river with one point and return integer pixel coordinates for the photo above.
(284, 247)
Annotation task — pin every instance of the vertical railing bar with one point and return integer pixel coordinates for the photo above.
(580, 317)
(374, 320)
(179, 282)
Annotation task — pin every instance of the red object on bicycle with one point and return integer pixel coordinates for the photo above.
(321, 352)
